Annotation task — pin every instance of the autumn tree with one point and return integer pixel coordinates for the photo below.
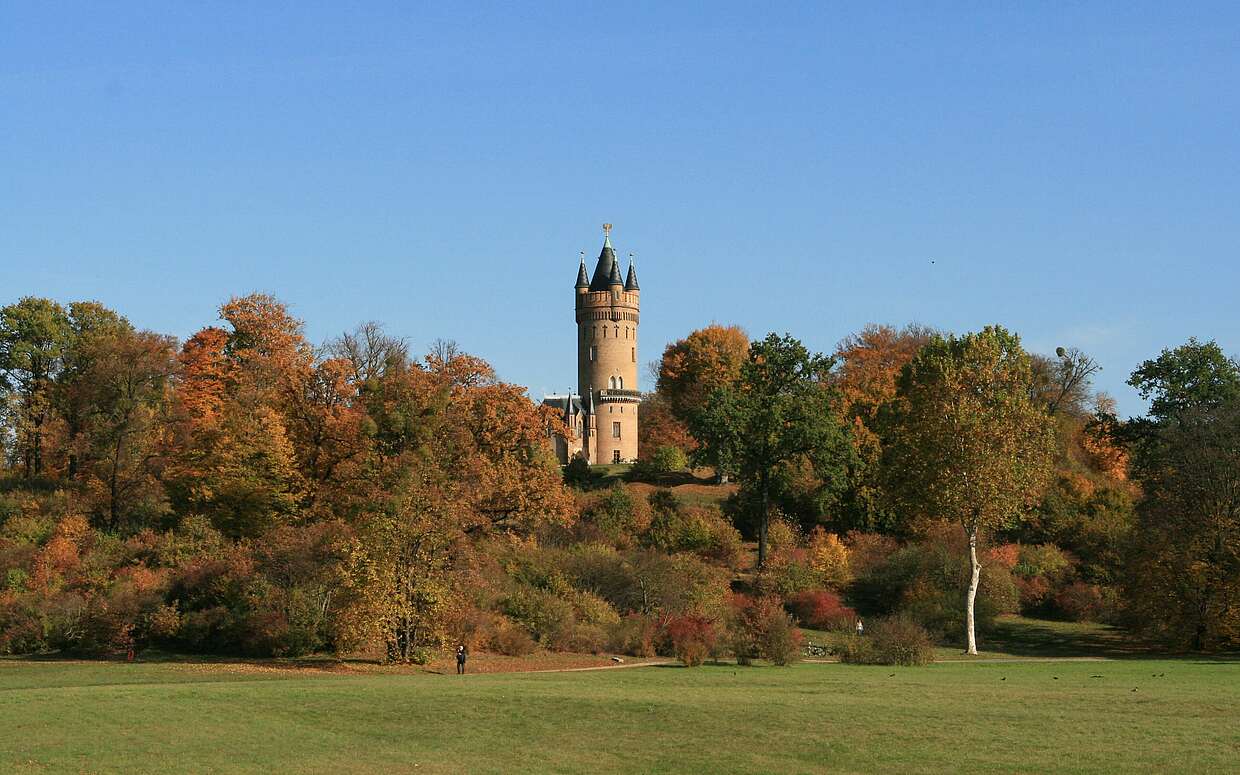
(776, 416)
(1184, 569)
(868, 366)
(91, 325)
(964, 441)
(124, 381)
(455, 456)
(704, 361)
(239, 459)
(660, 427)
(1061, 384)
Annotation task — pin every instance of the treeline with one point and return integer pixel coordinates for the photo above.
(944, 471)
(248, 492)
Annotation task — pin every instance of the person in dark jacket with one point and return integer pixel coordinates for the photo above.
(461, 656)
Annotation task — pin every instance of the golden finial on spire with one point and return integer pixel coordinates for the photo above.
(607, 230)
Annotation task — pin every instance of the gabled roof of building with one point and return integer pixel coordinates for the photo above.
(568, 406)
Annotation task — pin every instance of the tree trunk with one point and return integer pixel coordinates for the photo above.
(764, 522)
(975, 569)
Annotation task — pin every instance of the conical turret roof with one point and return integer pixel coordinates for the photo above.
(631, 283)
(583, 279)
(605, 267)
(615, 278)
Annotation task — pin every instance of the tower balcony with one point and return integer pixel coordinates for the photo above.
(617, 396)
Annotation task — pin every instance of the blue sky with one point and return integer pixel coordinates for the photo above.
(1072, 170)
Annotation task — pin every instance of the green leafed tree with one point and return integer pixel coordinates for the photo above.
(776, 416)
(34, 335)
(1184, 566)
(965, 441)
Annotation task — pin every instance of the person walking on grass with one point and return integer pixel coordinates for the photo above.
(461, 656)
(860, 627)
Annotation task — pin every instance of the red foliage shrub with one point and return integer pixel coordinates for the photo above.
(693, 638)
(761, 628)
(1033, 591)
(1080, 602)
(1006, 555)
(821, 609)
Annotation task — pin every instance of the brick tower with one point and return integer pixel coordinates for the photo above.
(607, 318)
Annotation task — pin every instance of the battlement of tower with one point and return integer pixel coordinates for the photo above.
(608, 305)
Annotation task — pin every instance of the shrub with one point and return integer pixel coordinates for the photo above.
(540, 612)
(788, 573)
(891, 641)
(928, 580)
(726, 547)
(1034, 592)
(901, 641)
(668, 459)
(512, 640)
(759, 628)
(670, 530)
(617, 516)
(1080, 602)
(782, 534)
(692, 638)
(634, 635)
(1006, 555)
(577, 473)
(856, 650)
(591, 609)
(821, 609)
(1045, 560)
(829, 559)
(580, 639)
(868, 549)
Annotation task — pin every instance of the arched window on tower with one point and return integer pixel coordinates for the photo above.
(620, 384)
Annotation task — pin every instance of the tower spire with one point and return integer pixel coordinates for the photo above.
(606, 267)
(630, 284)
(583, 279)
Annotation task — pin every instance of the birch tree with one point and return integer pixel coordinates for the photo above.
(966, 443)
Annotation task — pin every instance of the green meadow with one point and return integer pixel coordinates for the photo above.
(1115, 715)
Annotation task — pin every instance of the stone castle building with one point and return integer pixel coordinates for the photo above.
(602, 415)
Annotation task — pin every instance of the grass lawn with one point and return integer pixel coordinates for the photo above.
(1183, 716)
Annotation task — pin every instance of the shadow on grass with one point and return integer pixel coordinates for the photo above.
(1042, 638)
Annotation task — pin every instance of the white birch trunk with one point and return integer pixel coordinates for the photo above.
(975, 570)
